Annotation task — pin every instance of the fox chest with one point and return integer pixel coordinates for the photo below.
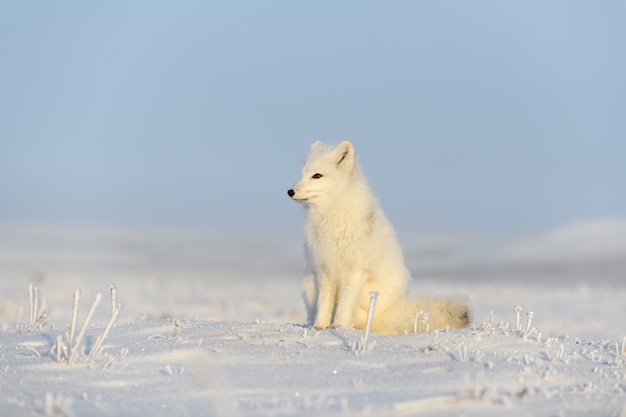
(336, 249)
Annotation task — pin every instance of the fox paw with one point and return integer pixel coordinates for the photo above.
(339, 325)
(320, 326)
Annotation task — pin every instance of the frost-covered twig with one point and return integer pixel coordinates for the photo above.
(70, 338)
(114, 308)
(59, 348)
(528, 331)
(425, 324)
(462, 353)
(32, 305)
(76, 344)
(96, 347)
(530, 316)
(517, 310)
(40, 320)
(36, 310)
(559, 353)
(361, 344)
(417, 315)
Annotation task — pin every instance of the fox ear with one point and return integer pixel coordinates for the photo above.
(317, 144)
(345, 155)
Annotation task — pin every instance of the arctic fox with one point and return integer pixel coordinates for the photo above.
(352, 249)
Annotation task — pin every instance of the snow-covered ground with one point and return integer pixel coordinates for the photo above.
(211, 325)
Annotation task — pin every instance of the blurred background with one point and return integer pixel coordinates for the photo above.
(158, 139)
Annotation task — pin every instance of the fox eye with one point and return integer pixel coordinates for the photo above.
(317, 176)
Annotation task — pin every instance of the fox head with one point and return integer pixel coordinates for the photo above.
(326, 173)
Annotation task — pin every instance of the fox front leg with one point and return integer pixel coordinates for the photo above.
(347, 300)
(326, 295)
(309, 293)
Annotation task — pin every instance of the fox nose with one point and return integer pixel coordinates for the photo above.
(291, 193)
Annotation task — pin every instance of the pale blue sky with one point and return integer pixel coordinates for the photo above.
(492, 117)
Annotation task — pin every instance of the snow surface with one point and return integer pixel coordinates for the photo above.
(210, 325)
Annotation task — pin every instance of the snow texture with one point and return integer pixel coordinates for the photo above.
(210, 325)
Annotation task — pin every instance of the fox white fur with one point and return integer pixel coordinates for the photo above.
(352, 249)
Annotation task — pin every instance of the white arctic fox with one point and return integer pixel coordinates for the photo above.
(352, 249)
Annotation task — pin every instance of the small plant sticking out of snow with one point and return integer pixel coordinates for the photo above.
(36, 310)
(528, 331)
(96, 347)
(71, 351)
(360, 345)
(70, 337)
(517, 309)
(529, 316)
(421, 325)
(114, 307)
(73, 345)
(425, 324)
